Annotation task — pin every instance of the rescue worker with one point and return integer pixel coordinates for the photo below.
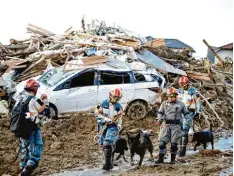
(109, 115)
(189, 96)
(31, 148)
(170, 114)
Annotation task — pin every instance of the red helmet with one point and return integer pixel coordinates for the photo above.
(183, 81)
(31, 85)
(115, 95)
(172, 92)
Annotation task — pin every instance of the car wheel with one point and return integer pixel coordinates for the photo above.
(53, 112)
(137, 110)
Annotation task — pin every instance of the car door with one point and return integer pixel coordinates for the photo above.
(112, 80)
(142, 87)
(79, 93)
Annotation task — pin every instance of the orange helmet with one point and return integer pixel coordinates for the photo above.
(115, 95)
(32, 85)
(183, 82)
(172, 92)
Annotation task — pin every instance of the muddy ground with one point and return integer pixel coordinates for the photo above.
(68, 143)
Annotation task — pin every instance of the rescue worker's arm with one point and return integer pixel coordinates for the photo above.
(119, 118)
(36, 107)
(161, 112)
(185, 112)
(198, 104)
(99, 114)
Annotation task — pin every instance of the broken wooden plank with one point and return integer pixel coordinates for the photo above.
(38, 32)
(41, 29)
(155, 43)
(224, 72)
(28, 75)
(17, 46)
(18, 66)
(199, 76)
(3, 47)
(95, 62)
(37, 55)
(33, 65)
(68, 30)
(217, 116)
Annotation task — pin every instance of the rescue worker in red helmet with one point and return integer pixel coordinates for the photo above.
(31, 148)
(170, 112)
(189, 96)
(109, 117)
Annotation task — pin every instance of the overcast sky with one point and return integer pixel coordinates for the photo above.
(187, 20)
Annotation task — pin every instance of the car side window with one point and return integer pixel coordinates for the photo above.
(157, 78)
(126, 78)
(143, 78)
(110, 77)
(83, 79)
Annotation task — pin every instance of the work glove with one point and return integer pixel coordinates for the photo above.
(187, 124)
(102, 119)
(107, 120)
(27, 115)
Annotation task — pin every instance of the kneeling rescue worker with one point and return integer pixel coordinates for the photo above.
(109, 117)
(32, 146)
(170, 112)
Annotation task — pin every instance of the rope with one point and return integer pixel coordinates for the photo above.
(98, 136)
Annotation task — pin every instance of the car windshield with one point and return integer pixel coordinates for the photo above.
(53, 76)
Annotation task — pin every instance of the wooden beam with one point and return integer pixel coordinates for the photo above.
(33, 65)
(41, 29)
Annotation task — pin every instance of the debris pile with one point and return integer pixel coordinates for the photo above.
(30, 57)
(214, 83)
(92, 46)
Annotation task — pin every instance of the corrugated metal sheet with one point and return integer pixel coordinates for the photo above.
(175, 43)
(210, 54)
(148, 57)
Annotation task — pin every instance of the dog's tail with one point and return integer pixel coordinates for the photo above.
(210, 127)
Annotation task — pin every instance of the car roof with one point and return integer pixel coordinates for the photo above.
(110, 65)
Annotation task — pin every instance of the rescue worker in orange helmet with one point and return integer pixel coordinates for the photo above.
(170, 112)
(189, 96)
(109, 118)
(32, 147)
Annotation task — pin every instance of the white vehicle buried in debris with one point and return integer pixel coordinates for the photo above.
(81, 90)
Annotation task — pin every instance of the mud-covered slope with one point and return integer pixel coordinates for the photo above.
(68, 143)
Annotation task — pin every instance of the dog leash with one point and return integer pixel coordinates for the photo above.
(98, 136)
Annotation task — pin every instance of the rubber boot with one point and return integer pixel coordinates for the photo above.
(173, 157)
(182, 152)
(160, 159)
(108, 158)
(28, 170)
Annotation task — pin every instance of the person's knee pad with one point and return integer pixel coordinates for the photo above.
(174, 147)
(162, 145)
(107, 146)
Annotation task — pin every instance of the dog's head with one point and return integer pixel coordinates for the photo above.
(133, 140)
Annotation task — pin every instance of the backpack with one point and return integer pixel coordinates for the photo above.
(19, 125)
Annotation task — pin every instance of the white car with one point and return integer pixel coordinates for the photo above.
(82, 90)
